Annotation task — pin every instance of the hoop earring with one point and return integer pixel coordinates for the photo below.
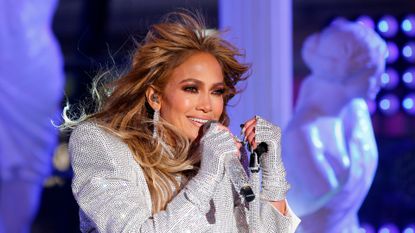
(156, 118)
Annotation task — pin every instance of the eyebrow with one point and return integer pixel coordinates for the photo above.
(200, 82)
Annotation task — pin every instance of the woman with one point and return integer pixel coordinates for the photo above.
(329, 147)
(143, 163)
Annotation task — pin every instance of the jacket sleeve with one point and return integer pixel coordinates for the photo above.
(111, 194)
(271, 220)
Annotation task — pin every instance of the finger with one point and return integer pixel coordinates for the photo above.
(250, 120)
(250, 129)
(251, 140)
(246, 124)
(249, 123)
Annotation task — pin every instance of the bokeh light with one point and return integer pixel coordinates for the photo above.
(366, 228)
(389, 79)
(408, 103)
(408, 77)
(393, 52)
(387, 26)
(408, 51)
(389, 104)
(408, 25)
(409, 229)
(389, 228)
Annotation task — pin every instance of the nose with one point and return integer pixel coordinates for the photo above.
(204, 103)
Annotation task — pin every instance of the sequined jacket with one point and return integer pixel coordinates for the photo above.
(113, 196)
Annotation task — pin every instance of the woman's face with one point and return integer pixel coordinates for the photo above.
(193, 94)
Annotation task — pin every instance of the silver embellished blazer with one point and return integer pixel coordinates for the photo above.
(113, 196)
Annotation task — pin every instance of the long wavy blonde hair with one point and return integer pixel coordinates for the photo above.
(122, 107)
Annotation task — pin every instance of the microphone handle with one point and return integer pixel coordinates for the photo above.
(238, 177)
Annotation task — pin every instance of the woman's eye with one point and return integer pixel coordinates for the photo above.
(219, 91)
(191, 89)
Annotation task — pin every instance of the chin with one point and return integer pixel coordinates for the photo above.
(191, 135)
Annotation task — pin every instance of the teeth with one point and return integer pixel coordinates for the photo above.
(199, 120)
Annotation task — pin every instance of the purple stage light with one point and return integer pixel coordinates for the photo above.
(408, 103)
(408, 77)
(408, 25)
(409, 229)
(389, 104)
(367, 21)
(387, 26)
(393, 52)
(408, 51)
(367, 228)
(389, 79)
(389, 228)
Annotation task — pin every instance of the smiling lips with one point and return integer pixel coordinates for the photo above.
(197, 121)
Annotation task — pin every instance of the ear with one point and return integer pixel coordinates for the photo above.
(153, 98)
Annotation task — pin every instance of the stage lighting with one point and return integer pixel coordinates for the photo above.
(389, 79)
(408, 77)
(366, 228)
(389, 104)
(387, 26)
(408, 51)
(408, 104)
(393, 52)
(409, 229)
(408, 25)
(367, 21)
(389, 228)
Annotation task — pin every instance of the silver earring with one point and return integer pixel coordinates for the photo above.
(156, 118)
(165, 148)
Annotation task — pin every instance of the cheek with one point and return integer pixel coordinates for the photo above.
(178, 103)
(218, 106)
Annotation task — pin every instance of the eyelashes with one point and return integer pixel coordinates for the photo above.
(194, 89)
(220, 91)
(191, 89)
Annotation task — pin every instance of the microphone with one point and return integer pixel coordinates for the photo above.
(261, 148)
(238, 177)
(255, 154)
(236, 172)
(234, 169)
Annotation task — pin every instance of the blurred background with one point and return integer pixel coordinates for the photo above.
(96, 34)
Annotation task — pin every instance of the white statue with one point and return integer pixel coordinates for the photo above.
(31, 87)
(329, 147)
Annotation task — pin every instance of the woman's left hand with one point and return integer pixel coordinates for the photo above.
(274, 183)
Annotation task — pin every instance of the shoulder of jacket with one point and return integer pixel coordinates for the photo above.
(90, 130)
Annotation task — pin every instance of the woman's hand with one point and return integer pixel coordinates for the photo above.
(215, 144)
(274, 184)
